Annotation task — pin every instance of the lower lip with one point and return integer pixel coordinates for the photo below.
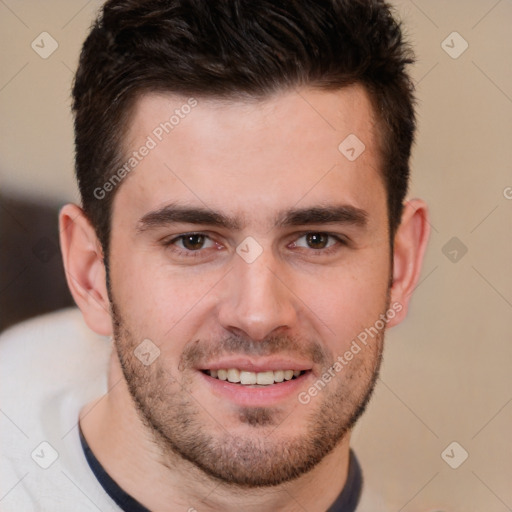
(261, 396)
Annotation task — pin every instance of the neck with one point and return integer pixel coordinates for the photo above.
(126, 449)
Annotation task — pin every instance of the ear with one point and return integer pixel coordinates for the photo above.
(85, 269)
(409, 248)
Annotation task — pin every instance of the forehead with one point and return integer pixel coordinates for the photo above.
(251, 158)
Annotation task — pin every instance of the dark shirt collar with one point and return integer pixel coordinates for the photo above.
(346, 502)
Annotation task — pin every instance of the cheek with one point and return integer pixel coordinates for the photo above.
(344, 301)
(159, 302)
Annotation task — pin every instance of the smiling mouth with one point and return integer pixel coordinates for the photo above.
(246, 378)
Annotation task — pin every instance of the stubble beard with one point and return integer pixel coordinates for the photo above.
(181, 429)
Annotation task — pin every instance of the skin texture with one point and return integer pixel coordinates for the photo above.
(163, 432)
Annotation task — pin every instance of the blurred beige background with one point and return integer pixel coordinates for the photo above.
(447, 371)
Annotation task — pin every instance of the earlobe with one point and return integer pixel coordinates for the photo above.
(84, 266)
(409, 248)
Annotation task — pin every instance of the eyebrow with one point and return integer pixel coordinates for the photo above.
(173, 213)
(343, 214)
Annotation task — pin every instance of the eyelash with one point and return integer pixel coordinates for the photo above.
(171, 244)
(340, 241)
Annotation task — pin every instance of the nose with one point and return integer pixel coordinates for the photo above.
(257, 301)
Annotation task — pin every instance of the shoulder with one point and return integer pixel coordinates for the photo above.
(50, 367)
(50, 363)
(36, 347)
(56, 326)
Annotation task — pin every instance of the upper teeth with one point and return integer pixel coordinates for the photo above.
(263, 378)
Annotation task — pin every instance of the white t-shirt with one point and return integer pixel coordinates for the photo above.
(50, 367)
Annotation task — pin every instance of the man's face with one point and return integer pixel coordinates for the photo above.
(246, 240)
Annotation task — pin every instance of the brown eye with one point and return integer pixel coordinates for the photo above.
(193, 242)
(317, 240)
(191, 245)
